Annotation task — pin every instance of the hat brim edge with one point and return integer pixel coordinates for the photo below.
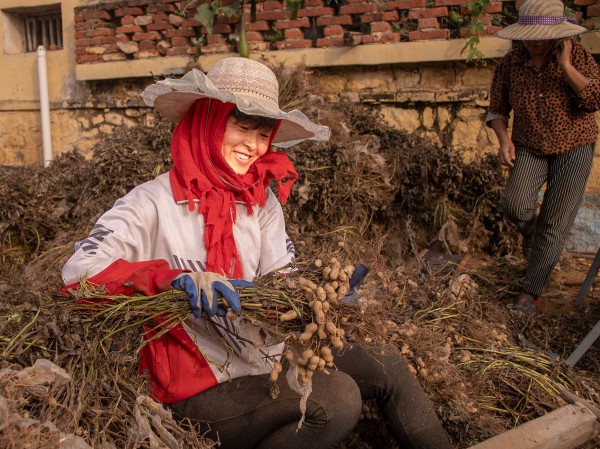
(513, 32)
(173, 106)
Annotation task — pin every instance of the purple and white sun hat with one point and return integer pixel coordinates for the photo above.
(249, 84)
(541, 20)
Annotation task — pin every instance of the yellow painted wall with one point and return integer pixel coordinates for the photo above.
(19, 72)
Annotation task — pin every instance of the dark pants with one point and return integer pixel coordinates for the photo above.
(565, 176)
(243, 415)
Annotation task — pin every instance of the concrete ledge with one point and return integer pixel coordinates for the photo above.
(173, 65)
(371, 55)
(591, 41)
(368, 55)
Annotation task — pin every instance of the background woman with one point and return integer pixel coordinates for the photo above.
(551, 85)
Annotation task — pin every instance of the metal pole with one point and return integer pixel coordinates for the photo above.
(584, 345)
(44, 105)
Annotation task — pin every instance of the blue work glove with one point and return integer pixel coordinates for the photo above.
(358, 275)
(203, 288)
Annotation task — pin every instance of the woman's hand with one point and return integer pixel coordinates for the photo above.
(506, 153)
(563, 52)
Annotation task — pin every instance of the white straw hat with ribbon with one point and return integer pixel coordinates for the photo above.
(249, 84)
(541, 20)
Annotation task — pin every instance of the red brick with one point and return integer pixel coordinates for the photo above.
(405, 4)
(450, 2)
(273, 15)
(128, 12)
(159, 26)
(103, 15)
(79, 35)
(130, 29)
(152, 35)
(101, 32)
(254, 36)
(593, 11)
(318, 3)
(89, 25)
(127, 20)
(180, 41)
(293, 33)
(122, 38)
(430, 22)
(370, 17)
(160, 17)
(217, 29)
(83, 42)
(159, 8)
(191, 23)
(217, 48)
(315, 12)
(78, 18)
(147, 45)
(427, 35)
(390, 37)
(230, 20)
(390, 16)
(181, 32)
(299, 23)
(494, 8)
(430, 12)
(257, 26)
(101, 40)
(85, 59)
(585, 2)
(215, 39)
(332, 41)
(293, 43)
(359, 9)
(180, 51)
(381, 27)
(272, 5)
(367, 39)
(333, 30)
(334, 20)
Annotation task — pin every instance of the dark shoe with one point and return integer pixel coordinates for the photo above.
(526, 303)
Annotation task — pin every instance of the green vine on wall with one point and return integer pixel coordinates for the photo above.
(474, 29)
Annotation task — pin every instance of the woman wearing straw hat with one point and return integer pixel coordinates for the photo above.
(551, 85)
(211, 224)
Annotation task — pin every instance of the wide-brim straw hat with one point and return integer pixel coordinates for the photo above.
(249, 84)
(541, 20)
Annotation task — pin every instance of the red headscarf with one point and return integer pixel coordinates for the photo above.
(202, 172)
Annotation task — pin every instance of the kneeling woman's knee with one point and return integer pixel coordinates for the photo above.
(336, 400)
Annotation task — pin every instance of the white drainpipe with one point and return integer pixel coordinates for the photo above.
(44, 105)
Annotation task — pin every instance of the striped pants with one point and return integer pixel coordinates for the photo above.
(565, 176)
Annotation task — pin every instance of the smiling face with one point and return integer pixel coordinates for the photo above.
(244, 143)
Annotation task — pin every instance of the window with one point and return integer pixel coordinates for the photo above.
(27, 28)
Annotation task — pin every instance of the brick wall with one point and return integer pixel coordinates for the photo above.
(136, 29)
